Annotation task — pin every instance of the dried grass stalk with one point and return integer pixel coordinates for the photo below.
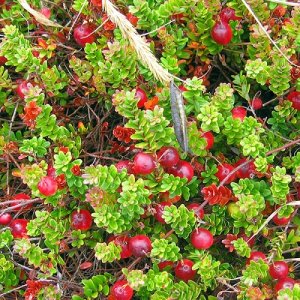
(40, 18)
(137, 42)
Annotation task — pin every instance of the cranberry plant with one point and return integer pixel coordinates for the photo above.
(149, 149)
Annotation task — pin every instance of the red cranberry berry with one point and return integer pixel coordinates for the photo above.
(279, 270)
(22, 89)
(159, 209)
(140, 245)
(81, 220)
(294, 97)
(46, 12)
(83, 34)
(143, 164)
(198, 210)
(247, 171)
(239, 112)
(223, 171)
(256, 103)
(168, 156)
(47, 186)
(227, 14)
(123, 242)
(142, 96)
(121, 290)
(18, 228)
(21, 196)
(285, 283)
(184, 271)
(209, 137)
(183, 169)
(221, 33)
(281, 221)
(124, 164)
(255, 256)
(202, 238)
(5, 218)
(165, 264)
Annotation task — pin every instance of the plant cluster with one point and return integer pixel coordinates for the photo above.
(98, 198)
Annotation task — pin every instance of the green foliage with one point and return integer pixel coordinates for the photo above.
(258, 70)
(207, 267)
(82, 69)
(35, 146)
(135, 278)
(49, 292)
(280, 184)
(163, 249)
(81, 6)
(292, 294)
(255, 271)
(107, 252)
(95, 286)
(181, 219)
(46, 262)
(104, 177)
(280, 79)
(241, 247)
(8, 277)
(217, 220)
(210, 118)
(51, 225)
(252, 146)
(6, 239)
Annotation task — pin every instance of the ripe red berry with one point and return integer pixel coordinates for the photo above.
(202, 238)
(198, 210)
(221, 33)
(209, 139)
(81, 220)
(18, 228)
(279, 270)
(140, 245)
(294, 97)
(3, 60)
(168, 156)
(47, 186)
(123, 242)
(124, 164)
(142, 96)
(121, 290)
(5, 218)
(239, 112)
(83, 34)
(285, 283)
(183, 169)
(281, 221)
(23, 88)
(184, 271)
(143, 164)
(227, 14)
(255, 256)
(46, 12)
(159, 209)
(164, 264)
(21, 196)
(256, 103)
(247, 171)
(223, 171)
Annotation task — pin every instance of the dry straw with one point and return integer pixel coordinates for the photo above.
(40, 18)
(137, 42)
